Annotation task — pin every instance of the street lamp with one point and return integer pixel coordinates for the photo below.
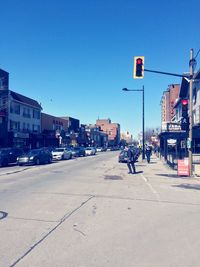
(140, 90)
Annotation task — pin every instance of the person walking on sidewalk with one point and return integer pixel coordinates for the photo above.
(130, 160)
(148, 153)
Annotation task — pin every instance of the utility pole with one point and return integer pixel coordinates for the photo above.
(191, 65)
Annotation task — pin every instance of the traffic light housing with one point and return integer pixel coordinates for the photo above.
(138, 72)
(184, 105)
(185, 118)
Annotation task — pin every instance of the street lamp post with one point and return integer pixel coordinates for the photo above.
(140, 90)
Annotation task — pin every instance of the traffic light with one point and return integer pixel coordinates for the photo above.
(184, 104)
(138, 72)
(185, 118)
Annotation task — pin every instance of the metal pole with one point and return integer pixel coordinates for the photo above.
(143, 138)
(143, 151)
(191, 109)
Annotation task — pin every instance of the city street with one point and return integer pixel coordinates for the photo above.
(90, 212)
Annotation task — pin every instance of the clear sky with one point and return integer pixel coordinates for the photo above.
(75, 56)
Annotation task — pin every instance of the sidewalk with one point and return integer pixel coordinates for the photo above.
(159, 168)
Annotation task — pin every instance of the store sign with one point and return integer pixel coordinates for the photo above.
(171, 142)
(21, 135)
(171, 127)
(183, 167)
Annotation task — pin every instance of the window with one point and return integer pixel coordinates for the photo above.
(35, 128)
(15, 108)
(36, 114)
(26, 112)
(14, 125)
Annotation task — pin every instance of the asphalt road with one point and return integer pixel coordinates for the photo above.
(91, 212)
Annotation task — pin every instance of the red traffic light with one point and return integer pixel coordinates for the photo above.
(184, 102)
(139, 61)
(138, 72)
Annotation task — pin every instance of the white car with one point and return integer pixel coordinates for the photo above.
(90, 151)
(61, 153)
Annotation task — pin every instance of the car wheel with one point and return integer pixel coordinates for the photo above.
(37, 161)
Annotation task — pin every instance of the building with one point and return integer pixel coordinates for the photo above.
(168, 100)
(20, 117)
(95, 136)
(111, 129)
(172, 137)
(54, 130)
(127, 136)
(20, 120)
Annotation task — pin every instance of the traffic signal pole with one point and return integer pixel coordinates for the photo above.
(191, 111)
(139, 73)
(143, 141)
(143, 134)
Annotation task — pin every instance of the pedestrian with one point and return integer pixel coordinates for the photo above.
(130, 160)
(148, 153)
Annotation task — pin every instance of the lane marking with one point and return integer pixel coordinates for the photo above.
(150, 186)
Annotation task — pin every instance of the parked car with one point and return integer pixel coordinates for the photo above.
(35, 156)
(90, 151)
(9, 155)
(99, 149)
(123, 156)
(78, 151)
(61, 153)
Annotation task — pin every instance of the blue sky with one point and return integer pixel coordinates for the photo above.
(76, 56)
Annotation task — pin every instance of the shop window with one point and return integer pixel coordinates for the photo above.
(14, 125)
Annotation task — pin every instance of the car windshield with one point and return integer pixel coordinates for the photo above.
(4, 151)
(58, 150)
(33, 152)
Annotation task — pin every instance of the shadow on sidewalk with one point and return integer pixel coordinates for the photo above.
(138, 172)
(188, 186)
(171, 175)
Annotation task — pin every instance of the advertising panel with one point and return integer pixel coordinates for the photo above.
(183, 167)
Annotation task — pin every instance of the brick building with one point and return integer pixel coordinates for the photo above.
(111, 129)
(168, 101)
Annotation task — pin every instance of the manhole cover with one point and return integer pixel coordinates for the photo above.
(113, 177)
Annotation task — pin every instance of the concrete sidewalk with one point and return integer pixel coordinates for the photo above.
(156, 168)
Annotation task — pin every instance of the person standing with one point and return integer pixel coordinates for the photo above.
(148, 153)
(130, 161)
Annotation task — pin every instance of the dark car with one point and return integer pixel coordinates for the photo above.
(123, 156)
(78, 151)
(35, 156)
(9, 155)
